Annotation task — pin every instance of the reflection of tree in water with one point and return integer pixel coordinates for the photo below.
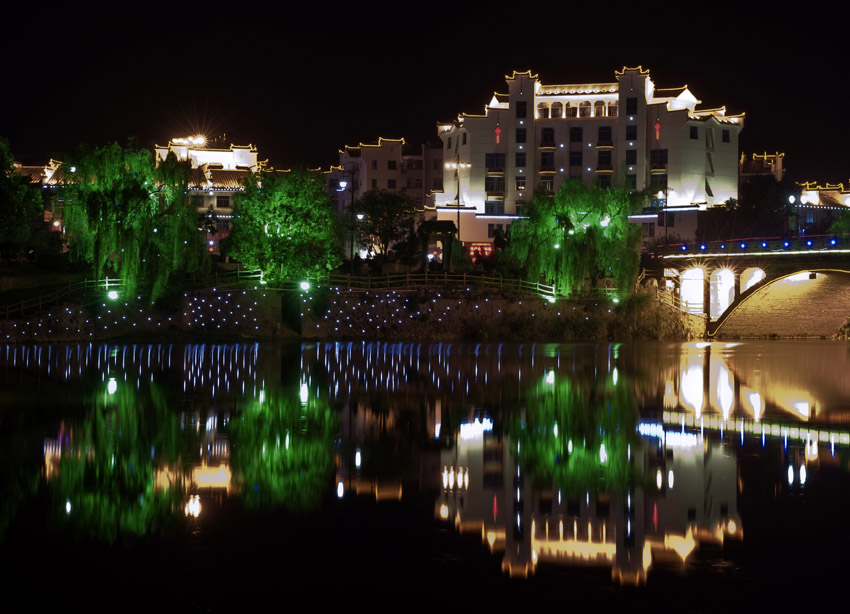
(283, 450)
(575, 435)
(106, 484)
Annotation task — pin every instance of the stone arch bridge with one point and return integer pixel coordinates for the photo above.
(800, 290)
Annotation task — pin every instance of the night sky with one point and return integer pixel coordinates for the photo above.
(302, 83)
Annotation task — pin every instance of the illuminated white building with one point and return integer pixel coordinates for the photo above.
(621, 132)
(216, 174)
(387, 164)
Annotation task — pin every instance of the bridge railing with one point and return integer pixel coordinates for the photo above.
(753, 245)
(47, 300)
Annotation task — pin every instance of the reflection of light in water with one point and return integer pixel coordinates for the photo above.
(112, 386)
(67, 506)
(801, 407)
(357, 458)
(812, 448)
(615, 376)
(570, 446)
(304, 394)
(339, 489)
(471, 430)
(725, 390)
(670, 479)
(659, 479)
(550, 378)
(603, 454)
(802, 474)
(555, 429)
(193, 506)
(790, 475)
(752, 401)
(444, 511)
(691, 388)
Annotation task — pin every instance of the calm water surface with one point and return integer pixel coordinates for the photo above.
(696, 475)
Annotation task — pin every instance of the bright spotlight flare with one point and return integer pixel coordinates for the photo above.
(198, 140)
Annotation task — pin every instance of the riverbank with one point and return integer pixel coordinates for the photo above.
(446, 314)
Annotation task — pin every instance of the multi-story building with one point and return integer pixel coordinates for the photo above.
(387, 164)
(217, 173)
(626, 131)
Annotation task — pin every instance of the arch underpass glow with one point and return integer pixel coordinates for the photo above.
(750, 277)
(722, 283)
(691, 291)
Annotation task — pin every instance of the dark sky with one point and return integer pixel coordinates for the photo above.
(300, 83)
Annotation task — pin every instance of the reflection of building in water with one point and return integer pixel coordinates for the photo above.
(694, 500)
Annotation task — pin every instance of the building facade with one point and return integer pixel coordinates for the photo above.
(217, 173)
(622, 132)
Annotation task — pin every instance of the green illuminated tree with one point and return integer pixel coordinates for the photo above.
(129, 217)
(579, 233)
(389, 218)
(285, 225)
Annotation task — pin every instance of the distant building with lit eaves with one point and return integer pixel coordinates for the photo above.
(626, 131)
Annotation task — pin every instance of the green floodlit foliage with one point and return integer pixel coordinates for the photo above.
(109, 475)
(129, 217)
(283, 451)
(285, 225)
(581, 232)
(589, 414)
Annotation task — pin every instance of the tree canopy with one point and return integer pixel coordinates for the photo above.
(129, 217)
(20, 204)
(285, 225)
(582, 231)
(389, 218)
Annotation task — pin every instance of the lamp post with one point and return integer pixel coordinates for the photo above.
(458, 165)
(342, 186)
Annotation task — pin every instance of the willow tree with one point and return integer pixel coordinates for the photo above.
(130, 217)
(581, 232)
(285, 225)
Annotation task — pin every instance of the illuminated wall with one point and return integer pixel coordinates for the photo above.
(604, 132)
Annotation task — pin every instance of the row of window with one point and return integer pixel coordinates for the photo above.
(411, 165)
(582, 107)
(658, 159)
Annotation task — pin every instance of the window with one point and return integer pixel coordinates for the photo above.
(631, 106)
(494, 206)
(520, 158)
(521, 109)
(631, 133)
(391, 165)
(605, 181)
(449, 143)
(391, 184)
(494, 161)
(547, 161)
(572, 110)
(374, 183)
(631, 156)
(724, 136)
(374, 165)
(464, 138)
(494, 184)
(436, 164)
(547, 136)
(223, 202)
(604, 160)
(543, 111)
(575, 158)
(694, 133)
(599, 109)
(520, 135)
(631, 182)
(649, 230)
(575, 135)
(222, 226)
(436, 184)
(547, 184)
(658, 158)
(520, 184)
(613, 107)
(584, 109)
(418, 182)
(604, 135)
(492, 229)
(557, 110)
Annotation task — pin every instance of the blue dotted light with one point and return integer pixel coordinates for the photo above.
(702, 246)
(764, 244)
(722, 246)
(684, 248)
(743, 246)
(785, 244)
(809, 243)
(833, 242)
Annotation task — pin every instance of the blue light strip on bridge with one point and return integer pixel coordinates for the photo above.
(700, 254)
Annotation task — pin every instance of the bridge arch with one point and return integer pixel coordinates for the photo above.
(813, 302)
(750, 277)
(721, 291)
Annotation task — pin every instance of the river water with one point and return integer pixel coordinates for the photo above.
(700, 475)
